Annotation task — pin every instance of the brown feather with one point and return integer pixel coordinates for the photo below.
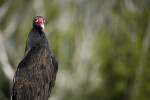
(35, 75)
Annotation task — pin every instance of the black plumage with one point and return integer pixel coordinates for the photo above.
(36, 73)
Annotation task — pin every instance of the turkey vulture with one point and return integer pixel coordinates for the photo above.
(36, 73)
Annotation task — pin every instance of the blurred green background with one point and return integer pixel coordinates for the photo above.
(102, 46)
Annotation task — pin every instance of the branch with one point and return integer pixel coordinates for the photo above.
(10, 29)
(6, 67)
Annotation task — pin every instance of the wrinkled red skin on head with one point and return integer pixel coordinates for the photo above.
(37, 25)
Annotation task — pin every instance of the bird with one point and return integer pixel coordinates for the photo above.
(36, 73)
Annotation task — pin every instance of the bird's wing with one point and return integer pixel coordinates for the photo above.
(35, 75)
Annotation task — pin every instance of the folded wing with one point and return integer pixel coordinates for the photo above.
(35, 75)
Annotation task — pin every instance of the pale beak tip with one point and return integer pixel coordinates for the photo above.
(42, 26)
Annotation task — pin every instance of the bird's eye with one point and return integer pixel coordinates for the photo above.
(37, 21)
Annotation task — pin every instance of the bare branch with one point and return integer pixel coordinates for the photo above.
(9, 72)
(10, 29)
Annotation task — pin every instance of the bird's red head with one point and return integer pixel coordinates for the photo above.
(38, 23)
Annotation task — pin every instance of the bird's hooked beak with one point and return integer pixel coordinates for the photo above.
(38, 23)
(42, 26)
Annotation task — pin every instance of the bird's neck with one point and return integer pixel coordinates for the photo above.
(37, 30)
(35, 37)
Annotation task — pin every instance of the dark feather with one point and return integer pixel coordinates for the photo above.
(36, 74)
